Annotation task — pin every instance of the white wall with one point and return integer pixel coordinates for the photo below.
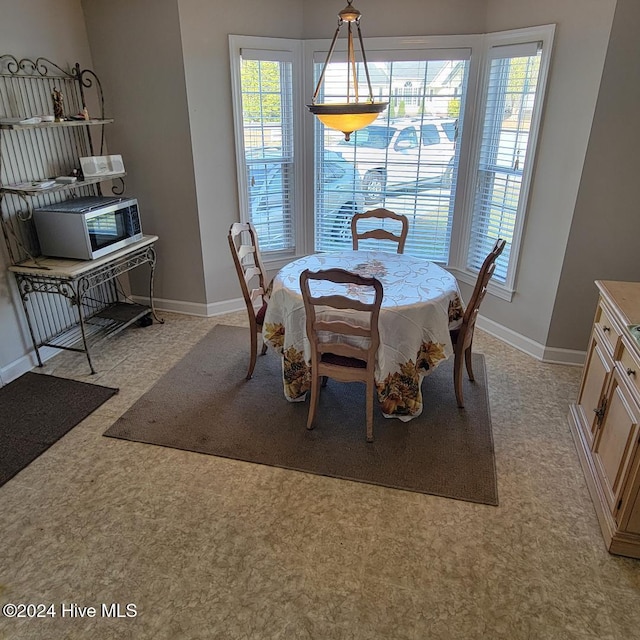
(53, 29)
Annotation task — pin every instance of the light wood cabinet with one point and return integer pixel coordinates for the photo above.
(596, 375)
(605, 420)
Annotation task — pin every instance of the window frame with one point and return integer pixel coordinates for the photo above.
(543, 34)
(306, 52)
(283, 49)
(402, 48)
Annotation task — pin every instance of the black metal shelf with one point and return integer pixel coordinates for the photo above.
(68, 304)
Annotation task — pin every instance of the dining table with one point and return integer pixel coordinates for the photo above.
(421, 304)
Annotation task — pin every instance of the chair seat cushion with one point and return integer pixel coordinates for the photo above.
(343, 361)
(261, 313)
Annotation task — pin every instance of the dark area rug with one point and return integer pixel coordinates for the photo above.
(36, 410)
(204, 404)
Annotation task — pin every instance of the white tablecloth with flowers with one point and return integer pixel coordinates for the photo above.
(421, 304)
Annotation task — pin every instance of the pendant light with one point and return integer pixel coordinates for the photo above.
(351, 115)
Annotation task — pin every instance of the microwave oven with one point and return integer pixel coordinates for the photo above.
(87, 228)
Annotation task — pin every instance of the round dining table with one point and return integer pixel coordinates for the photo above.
(421, 304)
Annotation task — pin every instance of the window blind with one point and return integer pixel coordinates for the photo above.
(267, 125)
(405, 161)
(504, 144)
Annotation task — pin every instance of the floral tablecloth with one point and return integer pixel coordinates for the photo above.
(421, 304)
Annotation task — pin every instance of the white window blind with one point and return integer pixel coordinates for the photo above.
(405, 161)
(264, 89)
(505, 151)
(453, 151)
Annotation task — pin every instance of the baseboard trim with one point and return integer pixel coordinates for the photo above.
(194, 308)
(16, 368)
(26, 363)
(552, 355)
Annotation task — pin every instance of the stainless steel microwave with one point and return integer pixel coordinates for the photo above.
(87, 228)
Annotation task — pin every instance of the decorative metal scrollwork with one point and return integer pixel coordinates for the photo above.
(24, 216)
(86, 79)
(39, 284)
(118, 190)
(27, 67)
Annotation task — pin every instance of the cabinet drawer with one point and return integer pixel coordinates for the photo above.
(630, 367)
(607, 326)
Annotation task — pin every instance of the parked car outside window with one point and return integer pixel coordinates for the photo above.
(402, 154)
(270, 179)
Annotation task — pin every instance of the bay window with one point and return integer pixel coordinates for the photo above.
(453, 151)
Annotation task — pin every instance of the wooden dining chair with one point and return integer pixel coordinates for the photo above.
(380, 234)
(332, 357)
(462, 338)
(251, 273)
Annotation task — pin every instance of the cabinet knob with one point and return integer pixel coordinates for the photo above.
(630, 371)
(606, 329)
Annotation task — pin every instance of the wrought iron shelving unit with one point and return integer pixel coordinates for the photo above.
(68, 304)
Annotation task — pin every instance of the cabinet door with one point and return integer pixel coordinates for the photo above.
(615, 441)
(596, 376)
(630, 511)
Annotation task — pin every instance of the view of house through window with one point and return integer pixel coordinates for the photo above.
(468, 107)
(405, 161)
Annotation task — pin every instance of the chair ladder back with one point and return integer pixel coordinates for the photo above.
(479, 292)
(342, 327)
(247, 270)
(336, 358)
(380, 234)
(249, 267)
(463, 337)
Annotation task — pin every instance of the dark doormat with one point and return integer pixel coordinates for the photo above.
(204, 404)
(36, 410)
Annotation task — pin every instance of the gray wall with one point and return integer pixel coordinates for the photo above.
(54, 29)
(582, 34)
(400, 18)
(605, 239)
(165, 69)
(164, 65)
(580, 44)
(205, 29)
(137, 53)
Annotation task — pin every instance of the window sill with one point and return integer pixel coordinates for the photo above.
(498, 290)
(273, 263)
